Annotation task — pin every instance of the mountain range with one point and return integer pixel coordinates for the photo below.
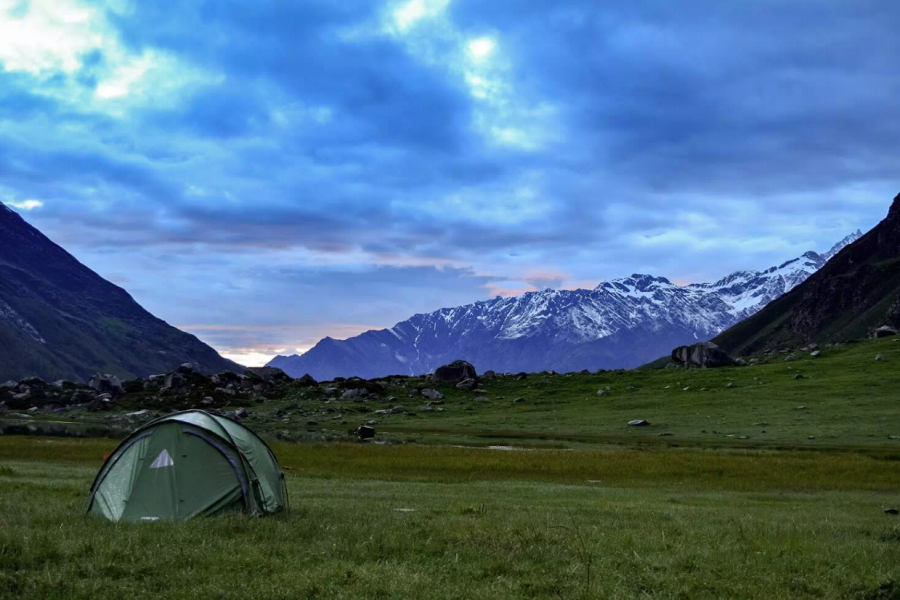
(61, 320)
(621, 323)
(857, 291)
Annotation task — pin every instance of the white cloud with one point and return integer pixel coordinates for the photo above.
(26, 204)
(480, 49)
(49, 35)
(409, 14)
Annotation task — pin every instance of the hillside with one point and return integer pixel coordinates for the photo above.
(621, 323)
(856, 291)
(60, 320)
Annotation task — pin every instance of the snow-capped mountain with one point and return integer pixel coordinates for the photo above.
(619, 324)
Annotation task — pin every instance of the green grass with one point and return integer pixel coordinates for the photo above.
(482, 524)
(845, 400)
(737, 502)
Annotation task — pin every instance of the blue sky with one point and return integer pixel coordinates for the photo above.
(263, 174)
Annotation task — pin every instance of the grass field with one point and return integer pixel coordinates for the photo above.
(773, 487)
(433, 522)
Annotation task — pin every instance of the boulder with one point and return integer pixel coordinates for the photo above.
(306, 380)
(705, 355)
(364, 432)
(107, 384)
(270, 374)
(465, 384)
(455, 372)
(489, 375)
(883, 332)
(355, 393)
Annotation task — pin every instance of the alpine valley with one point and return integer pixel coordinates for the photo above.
(621, 323)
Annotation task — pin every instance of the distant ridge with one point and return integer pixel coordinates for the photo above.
(60, 320)
(857, 290)
(620, 324)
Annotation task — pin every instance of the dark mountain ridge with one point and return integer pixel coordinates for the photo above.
(61, 320)
(856, 291)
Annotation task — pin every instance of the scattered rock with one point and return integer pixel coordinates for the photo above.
(489, 375)
(638, 423)
(790, 358)
(630, 388)
(815, 354)
(465, 384)
(306, 380)
(602, 392)
(355, 393)
(240, 413)
(432, 394)
(397, 410)
(107, 384)
(891, 511)
(879, 357)
(269, 374)
(482, 399)
(519, 400)
(364, 432)
(729, 385)
(799, 376)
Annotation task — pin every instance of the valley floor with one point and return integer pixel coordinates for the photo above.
(443, 522)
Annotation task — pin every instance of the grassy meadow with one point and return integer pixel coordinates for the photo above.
(772, 487)
(843, 398)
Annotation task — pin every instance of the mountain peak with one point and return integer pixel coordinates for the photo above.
(843, 244)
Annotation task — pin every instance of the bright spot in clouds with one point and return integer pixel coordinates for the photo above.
(26, 204)
(408, 14)
(480, 48)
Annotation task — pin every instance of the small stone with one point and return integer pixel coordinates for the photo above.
(602, 392)
(799, 376)
(879, 357)
(891, 511)
(815, 354)
(810, 437)
(687, 389)
(730, 384)
(630, 388)
(432, 394)
(638, 423)
(397, 410)
(240, 414)
(519, 400)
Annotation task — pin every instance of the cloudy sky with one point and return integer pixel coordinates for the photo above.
(263, 174)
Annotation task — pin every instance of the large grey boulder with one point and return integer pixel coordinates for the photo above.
(455, 372)
(270, 374)
(705, 355)
(884, 331)
(107, 384)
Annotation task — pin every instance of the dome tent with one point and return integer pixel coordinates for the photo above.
(187, 464)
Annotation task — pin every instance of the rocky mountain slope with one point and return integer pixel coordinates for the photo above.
(857, 290)
(60, 320)
(621, 323)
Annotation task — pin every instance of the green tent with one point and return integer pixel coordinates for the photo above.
(188, 464)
